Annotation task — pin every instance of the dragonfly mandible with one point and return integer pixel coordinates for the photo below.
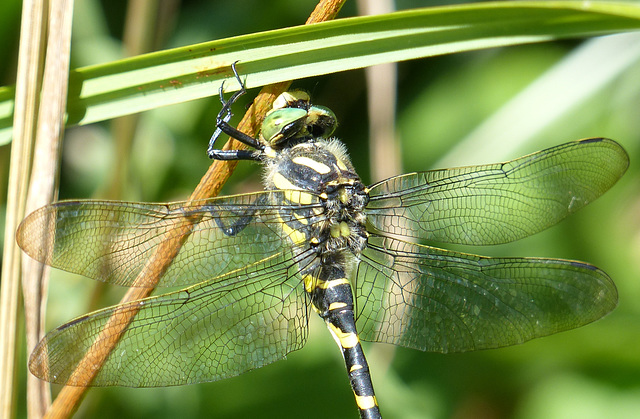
(255, 266)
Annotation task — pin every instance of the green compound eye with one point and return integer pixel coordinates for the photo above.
(283, 124)
(287, 123)
(321, 122)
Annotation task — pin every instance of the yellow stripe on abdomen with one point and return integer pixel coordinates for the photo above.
(366, 402)
(344, 339)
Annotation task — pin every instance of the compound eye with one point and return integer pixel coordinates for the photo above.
(282, 124)
(321, 122)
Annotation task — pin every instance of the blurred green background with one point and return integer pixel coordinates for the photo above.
(470, 108)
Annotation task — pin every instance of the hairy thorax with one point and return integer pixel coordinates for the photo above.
(323, 168)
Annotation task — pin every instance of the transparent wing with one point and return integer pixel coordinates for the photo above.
(497, 203)
(112, 241)
(211, 331)
(440, 301)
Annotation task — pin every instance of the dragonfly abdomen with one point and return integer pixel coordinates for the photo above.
(332, 298)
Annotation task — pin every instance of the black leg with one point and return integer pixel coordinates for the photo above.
(222, 126)
(233, 155)
(239, 218)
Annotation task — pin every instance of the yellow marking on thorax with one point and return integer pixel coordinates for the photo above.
(341, 165)
(282, 182)
(341, 229)
(345, 340)
(312, 164)
(343, 196)
(366, 402)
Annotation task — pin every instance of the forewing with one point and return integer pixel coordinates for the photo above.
(211, 331)
(112, 241)
(440, 301)
(496, 203)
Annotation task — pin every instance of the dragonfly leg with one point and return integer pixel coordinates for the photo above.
(233, 155)
(236, 227)
(222, 126)
(241, 218)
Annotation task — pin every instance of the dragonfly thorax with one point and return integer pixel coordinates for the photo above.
(315, 165)
(323, 168)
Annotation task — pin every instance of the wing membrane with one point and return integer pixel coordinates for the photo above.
(112, 241)
(497, 203)
(440, 301)
(206, 332)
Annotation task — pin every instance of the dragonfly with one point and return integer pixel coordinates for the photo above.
(254, 267)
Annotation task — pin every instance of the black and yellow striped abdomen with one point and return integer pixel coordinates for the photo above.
(332, 297)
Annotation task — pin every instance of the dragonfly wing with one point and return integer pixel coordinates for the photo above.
(497, 203)
(441, 301)
(207, 332)
(112, 241)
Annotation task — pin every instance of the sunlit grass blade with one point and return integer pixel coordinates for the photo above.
(178, 75)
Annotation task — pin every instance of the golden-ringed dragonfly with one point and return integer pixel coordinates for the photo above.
(317, 239)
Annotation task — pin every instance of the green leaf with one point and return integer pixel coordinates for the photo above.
(173, 76)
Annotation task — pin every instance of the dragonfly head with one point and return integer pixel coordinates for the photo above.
(294, 118)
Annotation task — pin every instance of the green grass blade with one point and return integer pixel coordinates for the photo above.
(173, 76)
